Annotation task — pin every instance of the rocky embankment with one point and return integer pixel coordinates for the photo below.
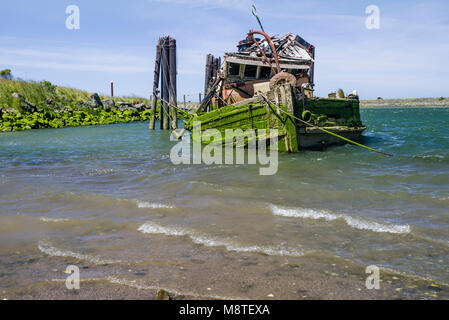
(25, 115)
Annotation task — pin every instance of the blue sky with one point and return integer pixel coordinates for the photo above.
(407, 57)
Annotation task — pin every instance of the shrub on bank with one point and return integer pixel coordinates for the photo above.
(16, 121)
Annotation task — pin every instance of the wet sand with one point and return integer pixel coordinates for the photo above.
(223, 275)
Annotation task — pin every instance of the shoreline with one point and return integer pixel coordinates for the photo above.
(309, 277)
(405, 103)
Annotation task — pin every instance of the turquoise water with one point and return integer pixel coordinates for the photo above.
(110, 193)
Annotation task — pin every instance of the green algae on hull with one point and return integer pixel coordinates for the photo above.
(341, 116)
(244, 117)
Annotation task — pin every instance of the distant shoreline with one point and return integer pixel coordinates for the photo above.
(406, 103)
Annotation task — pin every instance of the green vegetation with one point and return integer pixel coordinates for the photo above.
(6, 74)
(39, 92)
(34, 105)
(48, 118)
(248, 116)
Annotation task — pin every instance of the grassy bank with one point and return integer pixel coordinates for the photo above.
(34, 105)
(405, 103)
(38, 93)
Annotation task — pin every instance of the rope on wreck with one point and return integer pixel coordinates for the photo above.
(172, 105)
(326, 131)
(209, 96)
(178, 136)
(181, 133)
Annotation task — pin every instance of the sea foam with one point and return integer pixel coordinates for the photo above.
(153, 205)
(356, 223)
(141, 286)
(45, 219)
(46, 248)
(153, 228)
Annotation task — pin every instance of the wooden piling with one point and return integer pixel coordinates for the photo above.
(165, 71)
(208, 73)
(215, 67)
(312, 67)
(157, 68)
(209, 96)
(211, 74)
(165, 93)
(172, 82)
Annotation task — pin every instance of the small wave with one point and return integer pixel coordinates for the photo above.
(441, 242)
(81, 279)
(215, 186)
(304, 213)
(350, 221)
(55, 252)
(441, 198)
(152, 228)
(436, 158)
(376, 227)
(431, 156)
(412, 275)
(3, 179)
(99, 172)
(99, 199)
(45, 219)
(152, 205)
(141, 286)
(268, 250)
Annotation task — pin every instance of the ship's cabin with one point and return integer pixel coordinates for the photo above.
(247, 72)
(247, 68)
(242, 73)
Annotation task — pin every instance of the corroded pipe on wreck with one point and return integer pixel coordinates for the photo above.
(273, 48)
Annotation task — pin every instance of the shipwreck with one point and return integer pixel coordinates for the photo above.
(269, 84)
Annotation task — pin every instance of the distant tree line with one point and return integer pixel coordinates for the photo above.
(6, 74)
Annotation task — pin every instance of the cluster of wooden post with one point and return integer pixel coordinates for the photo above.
(212, 67)
(165, 74)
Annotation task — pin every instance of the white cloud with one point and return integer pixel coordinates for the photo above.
(79, 59)
(241, 5)
(383, 68)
